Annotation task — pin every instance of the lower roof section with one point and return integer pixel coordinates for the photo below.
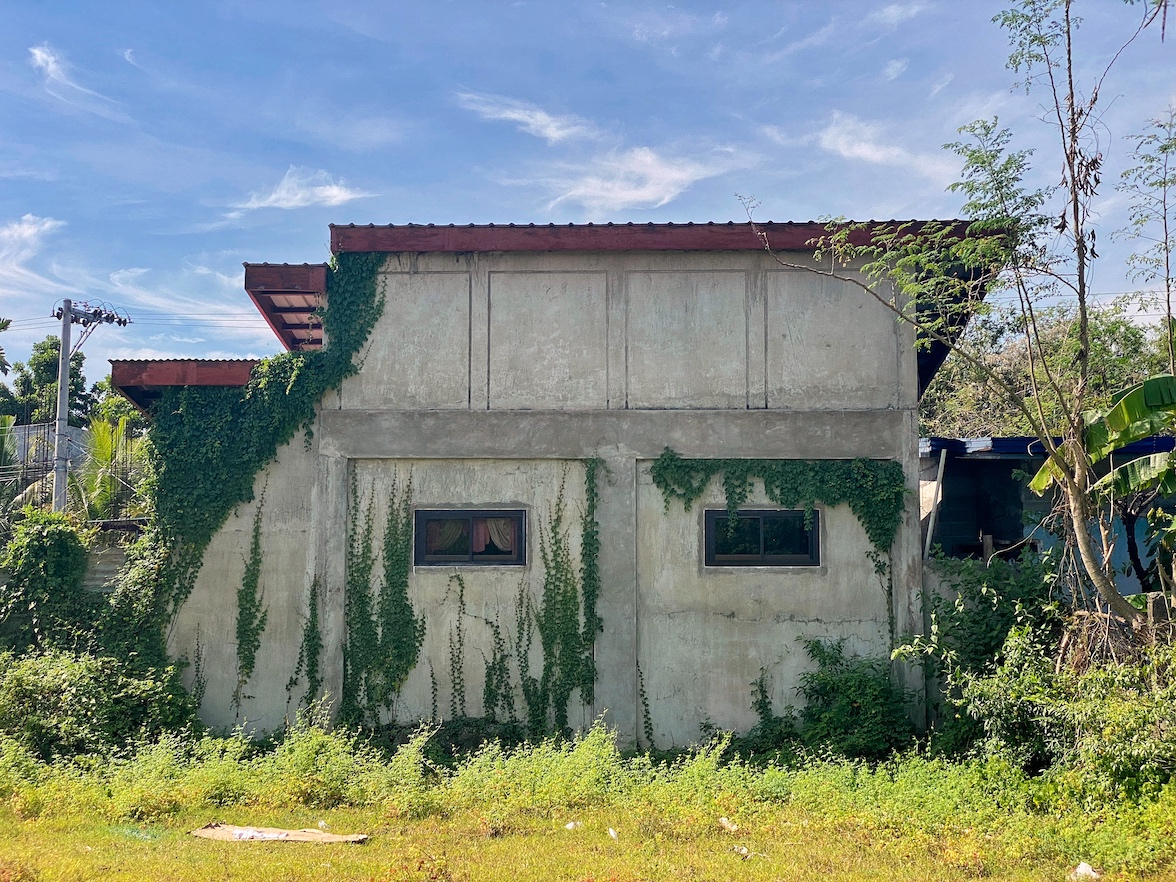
(142, 381)
(1024, 447)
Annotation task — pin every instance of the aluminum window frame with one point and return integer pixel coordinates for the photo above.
(422, 517)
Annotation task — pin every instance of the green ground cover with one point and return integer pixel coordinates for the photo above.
(504, 815)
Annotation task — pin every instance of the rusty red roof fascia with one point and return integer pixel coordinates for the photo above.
(265, 279)
(596, 237)
(180, 372)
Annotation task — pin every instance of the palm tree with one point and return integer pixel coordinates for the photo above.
(106, 484)
(9, 471)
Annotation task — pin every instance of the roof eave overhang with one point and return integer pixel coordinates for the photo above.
(290, 298)
(142, 381)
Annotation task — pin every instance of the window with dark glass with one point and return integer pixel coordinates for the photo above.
(769, 538)
(447, 538)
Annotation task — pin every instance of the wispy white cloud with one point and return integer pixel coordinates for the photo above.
(817, 38)
(894, 14)
(531, 119)
(129, 57)
(895, 68)
(235, 282)
(785, 139)
(301, 188)
(57, 82)
(640, 177)
(656, 26)
(852, 138)
(20, 241)
(940, 84)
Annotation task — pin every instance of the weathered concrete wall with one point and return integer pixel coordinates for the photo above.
(488, 375)
(721, 625)
(698, 330)
(209, 617)
(491, 592)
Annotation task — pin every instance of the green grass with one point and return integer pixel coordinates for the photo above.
(502, 815)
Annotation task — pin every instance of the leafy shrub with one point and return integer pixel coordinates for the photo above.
(853, 709)
(969, 625)
(43, 604)
(58, 704)
(555, 773)
(774, 737)
(1106, 733)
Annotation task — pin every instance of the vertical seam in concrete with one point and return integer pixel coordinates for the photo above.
(607, 325)
(489, 343)
(898, 347)
(625, 304)
(470, 339)
(746, 341)
(638, 718)
(763, 286)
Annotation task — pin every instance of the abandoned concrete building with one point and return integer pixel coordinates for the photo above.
(508, 361)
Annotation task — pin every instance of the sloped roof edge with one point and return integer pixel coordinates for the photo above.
(729, 236)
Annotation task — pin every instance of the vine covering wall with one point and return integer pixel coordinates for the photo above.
(251, 616)
(384, 634)
(209, 442)
(874, 490)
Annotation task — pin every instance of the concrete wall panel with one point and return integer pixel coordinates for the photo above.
(704, 633)
(210, 614)
(829, 345)
(687, 339)
(548, 340)
(419, 352)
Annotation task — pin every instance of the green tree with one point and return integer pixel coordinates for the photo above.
(1036, 247)
(1151, 184)
(108, 483)
(110, 406)
(34, 387)
(963, 400)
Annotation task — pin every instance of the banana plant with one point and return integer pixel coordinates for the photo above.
(1138, 412)
(1132, 488)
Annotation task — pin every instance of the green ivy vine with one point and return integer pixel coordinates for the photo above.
(384, 634)
(457, 695)
(209, 442)
(874, 490)
(497, 694)
(362, 646)
(565, 619)
(310, 651)
(402, 632)
(590, 577)
(251, 617)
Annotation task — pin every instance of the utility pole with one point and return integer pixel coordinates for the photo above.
(60, 456)
(89, 317)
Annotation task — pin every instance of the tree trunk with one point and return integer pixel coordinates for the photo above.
(1076, 506)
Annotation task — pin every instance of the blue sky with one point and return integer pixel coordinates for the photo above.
(147, 149)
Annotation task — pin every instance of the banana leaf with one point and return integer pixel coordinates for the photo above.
(1157, 471)
(1138, 412)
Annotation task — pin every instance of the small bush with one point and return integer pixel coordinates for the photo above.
(1106, 733)
(43, 603)
(853, 709)
(57, 704)
(774, 737)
